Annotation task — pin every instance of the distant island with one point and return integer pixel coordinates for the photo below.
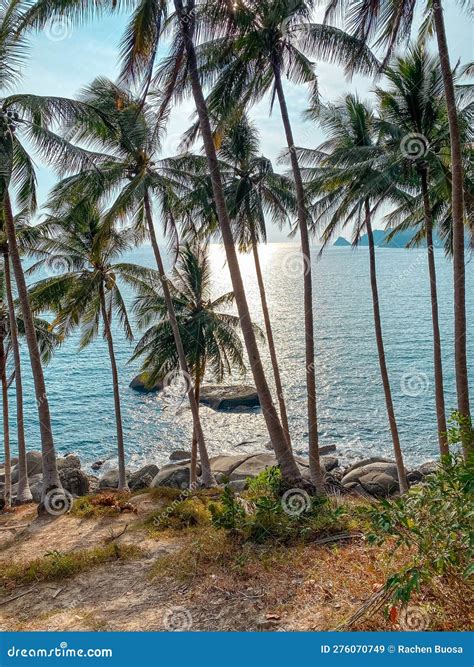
(400, 240)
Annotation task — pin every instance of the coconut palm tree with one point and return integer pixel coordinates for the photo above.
(349, 185)
(412, 104)
(129, 141)
(87, 291)
(256, 44)
(253, 190)
(29, 118)
(210, 335)
(390, 23)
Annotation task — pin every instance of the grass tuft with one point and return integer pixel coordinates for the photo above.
(56, 565)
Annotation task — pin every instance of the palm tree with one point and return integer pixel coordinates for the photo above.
(87, 292)
(258, 43)
(413, 104)
(210, 336)
(29, 117)
(390, 23)
(253, 190)
(349, 187)
(129, 137)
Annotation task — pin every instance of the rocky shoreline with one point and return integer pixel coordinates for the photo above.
(375, 477)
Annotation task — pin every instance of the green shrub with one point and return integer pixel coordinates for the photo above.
(181, 514)
(435, 519)
(269, 510)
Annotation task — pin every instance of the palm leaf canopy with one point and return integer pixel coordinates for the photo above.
(80, 251)
(209, 333)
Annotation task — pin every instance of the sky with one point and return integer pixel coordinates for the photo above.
(64, 58)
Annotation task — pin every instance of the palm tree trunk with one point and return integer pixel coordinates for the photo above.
(270, 340)
(50, 472)
(7, 490)
(402, 479)
(206, 475)
(24, 493)
(122, 482)
(277, 434)
(193, 470)
(460, 329)
(438, 364)
(316, 472)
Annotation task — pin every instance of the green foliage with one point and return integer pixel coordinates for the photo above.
(435, 521)
(181, 514)
(460, 431)
(229, 513)
(265, 512)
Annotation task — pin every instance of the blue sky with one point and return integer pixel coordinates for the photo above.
(63, 58)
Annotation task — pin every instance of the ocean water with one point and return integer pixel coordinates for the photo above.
(351, 405)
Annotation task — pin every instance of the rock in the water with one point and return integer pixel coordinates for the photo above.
(69, 461)
(111, 479)
(229, 398)
(141, 479)
(97, 465)
(180, 455)
(34, 463)
(140, 384)
(378, 478)
(174, 475)
(74, 480)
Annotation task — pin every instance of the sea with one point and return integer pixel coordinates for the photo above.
(351, 405)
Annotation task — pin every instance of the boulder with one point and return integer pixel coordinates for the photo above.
(229, 398)
(253, 466)
(378, 478)
(141, 479)
(180, 455)
(174, 475)
(34, 463)
(69, 461)
(139, 383)
(428, 468)
(36, 487)
(93, 483)
(111, 478)
(224, 465)
(74, 480)
(97, 465)
(365, 462)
